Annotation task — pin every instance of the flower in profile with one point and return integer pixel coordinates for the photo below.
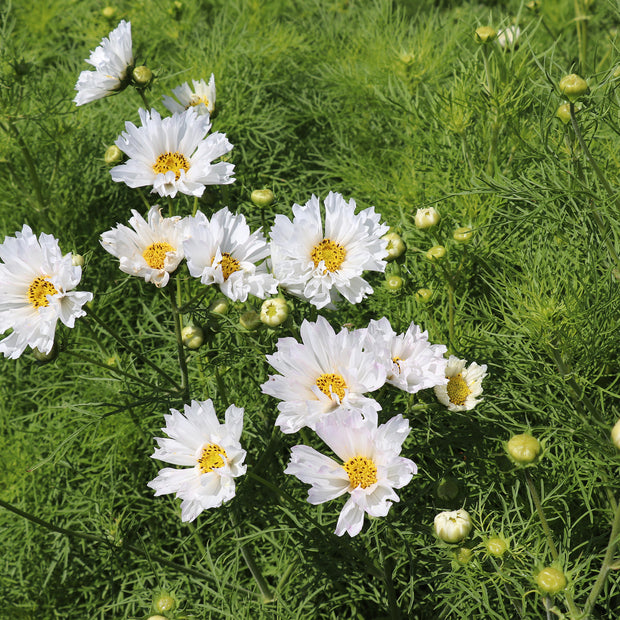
(464, 385)
(324, 373)
(321, 266)
(370, 470)
(36, 289)
(152, 250)
(112, 61)
(173, 154)
(222, 251)
(209, 452)
(412, 362)
(202, 97)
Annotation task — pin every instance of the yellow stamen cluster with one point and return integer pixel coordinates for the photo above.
(171, 161)
(212, 457)
(195, 100)
(458, 390)
(38, 291)
(396, 360)
(229, 265)
(155, 254)
(331, 383)
(329, 251)
(362, 471)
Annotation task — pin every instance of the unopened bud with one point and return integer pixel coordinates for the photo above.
(437, 252)
(163, 602)
(463, 234)
(464, 555)
(534, 6)
(192, 336)
(274, 311)
(142, 76)
(425, 218)
(393, 283)
(42, 357)
(112, 155)
(508, 38)
(550, 580)
(523, 449)
(496, 547)
(219, 306)
(395, 245)
(615, 434)
(424, 295)
(262, 197)
(573, 86)
(249, 320)
(485, 34)
(453, 526)
(77, 260)
(157, 618)
(563, 113)
(108, 12)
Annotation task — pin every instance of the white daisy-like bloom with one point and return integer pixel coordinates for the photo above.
(322, 374)
(173, 154)
(464, 385)
(370, 470)
(222, 251)
(320, 266)
(201, 97)
(209, 452)
(112, 60)
(152, 250)
(36, 290)
(412, 362)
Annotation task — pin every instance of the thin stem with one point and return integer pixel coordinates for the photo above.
(607, 561)
(387, 567)
(450, 313)
(176, 316)
(144, 99)
(261, 582)
(466, 154)
(580, 22)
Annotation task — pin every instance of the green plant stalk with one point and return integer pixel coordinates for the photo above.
(581, 24)
(607, 560)
(131, 349)
(603, 228)
(176, 317)
(387, 567)
(574, 612)
(144, 99)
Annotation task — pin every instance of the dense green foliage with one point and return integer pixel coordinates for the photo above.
(396, 105)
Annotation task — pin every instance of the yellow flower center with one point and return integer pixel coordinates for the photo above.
(329, 251)
(229, 265)
(195, 100)
(212, 457)
(331, 383)
(362, 471)
(155, 254)
(39, 290)
(171, 161)
(396, 360)
(458, 390)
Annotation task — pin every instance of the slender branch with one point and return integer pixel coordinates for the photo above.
(176, 316)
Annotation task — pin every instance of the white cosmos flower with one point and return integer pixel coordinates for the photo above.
(370, 470)
(36, 289)
(222, 251)
(111, 60)
(320, 264)
(202, 97)
(464, 385)
(152, 250)
(173, 154)
(322, 374)
(209, 452)
(412, 362)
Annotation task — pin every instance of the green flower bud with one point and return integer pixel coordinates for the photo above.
(448, 488)
(523, 449)
(219, 306)
(550, 580)
(615, 434)
(573, 86)
(424, 295)
(250, 320)
(77, 260)
(163, 602)
(425, 218)
(563, 113)
(262, 197)
(274, 311)
(142, 76)
(393, 283)
(395, 245)
(437, 252)
(485, 34)
(496, 547)
(463, 234)
(45, 357)
(192, 336)
(112, 155)
(463, 555)
(534, 6)
(109, 12)
(453, 526)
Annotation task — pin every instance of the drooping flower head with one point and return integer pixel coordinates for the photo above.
(320, 263)
(36, 289)
(173, 154)
(464, 385)
(209, 452)
(222, 251)
(412, 362)
(322, 374)
(112, 61)
(152, 250)
(370, 470)
(202, 97)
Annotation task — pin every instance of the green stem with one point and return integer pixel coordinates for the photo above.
(607, 561)
(580, 22)
(387, 568)
(176, 316)
(144, 99)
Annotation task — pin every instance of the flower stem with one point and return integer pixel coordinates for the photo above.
(176, 316)
(581, 23)
(144, 99)
(387, 568)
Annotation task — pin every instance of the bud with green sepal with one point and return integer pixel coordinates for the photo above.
(192, 336)
(113, 155)
(220, 306)
(395, 245)
(523, 449)
(142, 76)
(436, 253)
(262, 197)
(274, 311)
(453, 526)
(164, 602)
(550, 580)
(485, 34)
(496, 546)
(424, 295)
(573, 86)
(463, 234)
(393, 283)
(425, 218)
